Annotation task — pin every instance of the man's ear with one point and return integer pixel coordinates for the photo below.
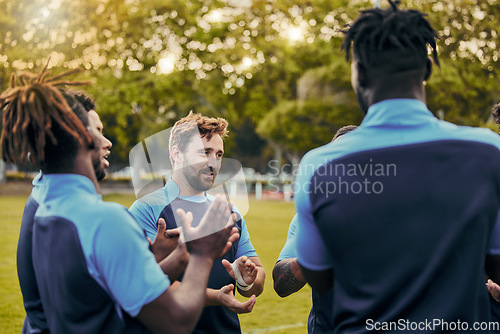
(362, 74)
(175, 154)
(428, 69)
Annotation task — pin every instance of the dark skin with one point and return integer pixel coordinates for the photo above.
(287, 277)
(372, 86)
(176, 310)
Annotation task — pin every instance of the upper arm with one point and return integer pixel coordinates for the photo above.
(245, 247)
(145, 218)
(123, 260)
(311, 250)
(289, 250)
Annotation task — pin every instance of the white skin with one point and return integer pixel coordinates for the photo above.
(198, 165)
(194, 171)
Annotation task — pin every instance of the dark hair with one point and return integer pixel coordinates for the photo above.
(391, 37)
(84, 100)
(343, 130)
(496, 114)
(42, 123)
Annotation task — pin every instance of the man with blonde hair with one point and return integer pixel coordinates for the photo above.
(196, 149)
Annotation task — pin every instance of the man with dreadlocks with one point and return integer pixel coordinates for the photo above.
(398, 216)
(35, 321)
(79, 241)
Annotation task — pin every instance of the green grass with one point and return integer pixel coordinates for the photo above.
(267, 223)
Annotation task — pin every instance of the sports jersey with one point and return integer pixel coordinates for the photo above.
(35, 321)
(402, 209)
(319, 320)
(87, 255)
(163, 203)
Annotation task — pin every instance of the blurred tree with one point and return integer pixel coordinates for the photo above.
(246, 60)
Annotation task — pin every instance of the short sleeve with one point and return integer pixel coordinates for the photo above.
(290, 248)
(128, 268)
(145, 217)
(311, 250)
(245, 247)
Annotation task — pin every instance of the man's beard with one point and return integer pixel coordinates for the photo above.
(99, 171)
(195, 178)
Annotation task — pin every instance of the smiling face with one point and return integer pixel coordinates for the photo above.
(102, 143)
(202, 161)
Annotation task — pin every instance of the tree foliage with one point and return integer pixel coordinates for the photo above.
(274, 69)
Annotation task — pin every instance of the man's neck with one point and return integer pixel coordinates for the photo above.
(401, 85)
(184, 187)
(83, 165)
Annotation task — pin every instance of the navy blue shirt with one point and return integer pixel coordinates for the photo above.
(320, 317)
(402, 209)
(86, 256)
(35, 321)
(163, 203)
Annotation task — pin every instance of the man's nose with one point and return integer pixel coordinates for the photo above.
(106, 143)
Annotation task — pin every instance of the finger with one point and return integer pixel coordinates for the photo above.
(162, 226)
(186, 220)
(227, 265)
(234, 235)
(232, 219)
(227, 289)
(172, 233)
(249, 304)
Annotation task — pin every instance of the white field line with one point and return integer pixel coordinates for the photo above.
(274, 328)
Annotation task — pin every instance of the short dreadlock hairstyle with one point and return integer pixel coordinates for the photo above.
(391, 37)
(84, 100)
(42, 123)
(496, 114)
(195, 124)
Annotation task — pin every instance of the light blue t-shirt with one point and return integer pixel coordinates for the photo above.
(116, 252)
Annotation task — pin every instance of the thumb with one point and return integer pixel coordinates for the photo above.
(162, 226)
(174, 232)
(226, 289)
(186, 220)
(227, 265)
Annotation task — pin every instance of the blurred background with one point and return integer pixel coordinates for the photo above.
(273, 69)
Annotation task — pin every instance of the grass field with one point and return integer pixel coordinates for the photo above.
(267, 223)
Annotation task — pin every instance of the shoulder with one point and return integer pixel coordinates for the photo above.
(113, 214)
(482, 135)
(157, 197)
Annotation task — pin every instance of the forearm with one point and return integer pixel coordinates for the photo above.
(287, 277)
(258, 284)
(191, 293)
(212, 297)
(175, 264)
(178, 309)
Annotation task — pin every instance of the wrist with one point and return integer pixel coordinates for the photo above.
(200, 259)
(244, 287)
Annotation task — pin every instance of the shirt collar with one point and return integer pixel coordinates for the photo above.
(398, 112)
(172, 192)
(67, 184)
